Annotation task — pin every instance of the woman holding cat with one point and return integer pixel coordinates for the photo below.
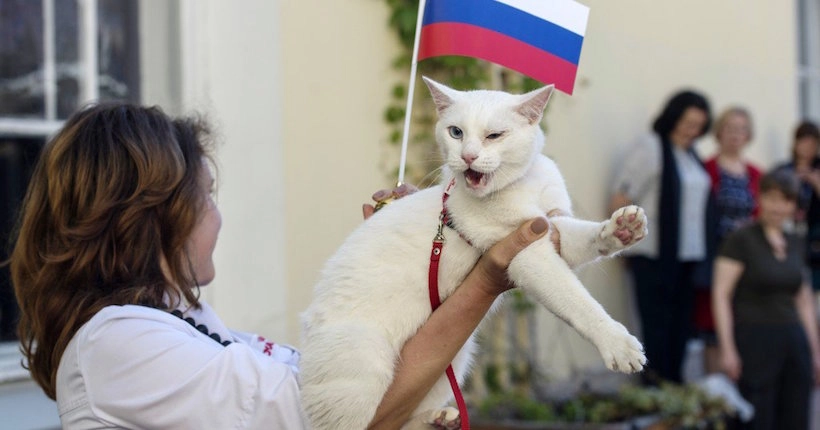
(764, 312)
(116, 234)
(663, 174)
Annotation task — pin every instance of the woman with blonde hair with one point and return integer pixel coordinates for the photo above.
(116, 235)
(735, 187)
(735, 179)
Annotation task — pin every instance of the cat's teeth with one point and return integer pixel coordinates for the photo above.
(475, 179)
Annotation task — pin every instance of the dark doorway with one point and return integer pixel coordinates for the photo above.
(17, 158)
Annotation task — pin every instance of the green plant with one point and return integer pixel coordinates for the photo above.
(677, 406)
(684, 406)
(516, 407)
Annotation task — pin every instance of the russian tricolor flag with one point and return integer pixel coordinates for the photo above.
(539, 38)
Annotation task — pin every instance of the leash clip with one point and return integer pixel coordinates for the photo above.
(440, 231)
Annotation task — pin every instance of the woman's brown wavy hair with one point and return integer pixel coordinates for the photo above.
(113, 198)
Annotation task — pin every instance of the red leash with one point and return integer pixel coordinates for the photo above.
(435, 301)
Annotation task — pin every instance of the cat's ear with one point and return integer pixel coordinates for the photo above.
(442, 94)
(534, 103)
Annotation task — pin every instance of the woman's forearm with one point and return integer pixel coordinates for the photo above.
(804, 302)
(726, 274)
(724, 323)
(425, 356)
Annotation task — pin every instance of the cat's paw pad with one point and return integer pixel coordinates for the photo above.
(445, 418)
(621, 351)
(626, 227)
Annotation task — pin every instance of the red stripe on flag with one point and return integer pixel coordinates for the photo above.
(449, 38)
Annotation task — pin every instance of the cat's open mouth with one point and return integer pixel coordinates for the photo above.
(475, 179)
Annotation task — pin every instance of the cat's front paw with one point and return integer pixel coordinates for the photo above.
(445, 418)
(620, 351)
(626, 227)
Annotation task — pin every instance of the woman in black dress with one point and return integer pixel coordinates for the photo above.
(764, 312)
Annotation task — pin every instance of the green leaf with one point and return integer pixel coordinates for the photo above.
(395, 136)
(399, 91)
(394, 114)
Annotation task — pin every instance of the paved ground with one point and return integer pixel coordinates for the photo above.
(23, 406)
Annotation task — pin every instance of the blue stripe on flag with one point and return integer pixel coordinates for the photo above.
(510, 21)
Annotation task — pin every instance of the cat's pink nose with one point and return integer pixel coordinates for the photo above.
(468, 158)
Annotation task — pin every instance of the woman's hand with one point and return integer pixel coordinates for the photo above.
(618, 201)
(383, 197)
(730, 363)
(490, 273)
(811, 177)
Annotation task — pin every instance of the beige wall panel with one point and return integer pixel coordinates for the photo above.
(336, 80)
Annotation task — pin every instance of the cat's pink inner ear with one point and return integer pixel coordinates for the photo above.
(536, 101)
(440, 98)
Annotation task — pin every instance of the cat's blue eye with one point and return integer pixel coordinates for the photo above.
(493, 136)
(455, 132)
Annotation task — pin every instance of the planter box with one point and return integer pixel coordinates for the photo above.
(651, 422)
(640, 423)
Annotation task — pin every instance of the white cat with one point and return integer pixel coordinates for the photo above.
(373, 293)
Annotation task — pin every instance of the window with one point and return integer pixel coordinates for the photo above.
(55, 56)
(808, 21)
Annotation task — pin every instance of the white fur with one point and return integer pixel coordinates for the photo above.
(372, 295)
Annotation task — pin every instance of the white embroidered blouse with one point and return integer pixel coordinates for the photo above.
(141, 368)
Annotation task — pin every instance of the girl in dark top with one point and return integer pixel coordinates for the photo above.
(764, 312)
(805, 164)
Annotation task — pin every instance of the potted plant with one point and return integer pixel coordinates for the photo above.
(668, 406)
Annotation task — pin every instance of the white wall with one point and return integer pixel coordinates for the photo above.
(222, 61)
(336, 80)
(242, 80)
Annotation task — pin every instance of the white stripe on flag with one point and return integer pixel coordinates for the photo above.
(565, 13)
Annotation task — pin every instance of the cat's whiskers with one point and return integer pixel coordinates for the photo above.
(497, 176)
(433, 177)
(432, 160)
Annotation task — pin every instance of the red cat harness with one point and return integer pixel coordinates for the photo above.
(435, 300)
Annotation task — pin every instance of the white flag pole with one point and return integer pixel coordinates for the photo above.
(410, 90)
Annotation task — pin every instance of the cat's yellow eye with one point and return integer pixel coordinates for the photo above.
(455, 132)
(494, 136)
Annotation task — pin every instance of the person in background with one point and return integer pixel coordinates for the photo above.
(805, 164)
(663, 174)
(735, 187)
(116, 235)
(764, 312)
